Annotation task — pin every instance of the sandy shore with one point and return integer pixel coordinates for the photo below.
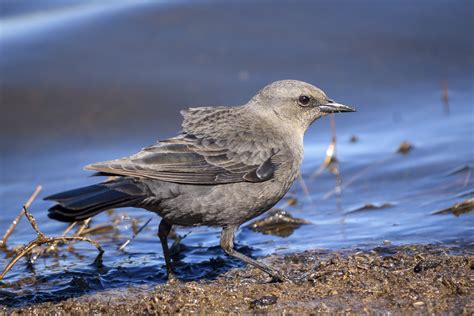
(408, 279)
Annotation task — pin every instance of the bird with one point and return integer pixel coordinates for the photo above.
(228, 165)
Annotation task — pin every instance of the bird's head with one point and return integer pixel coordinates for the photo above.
(296, 103)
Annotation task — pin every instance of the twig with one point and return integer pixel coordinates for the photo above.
(335, 164)
(358, 175)
(445, 97)
(304, 187)
(330, 161)
(125, 244)
(53, 245)
(104, 227)
(41, 239)
(15, 222)
(468, 177)
(83, 227)
(175, 247)
(330, 158)
(32, 221)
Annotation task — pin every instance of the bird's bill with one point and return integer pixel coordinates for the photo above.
(333, 107)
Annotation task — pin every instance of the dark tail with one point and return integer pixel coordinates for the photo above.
(82, 203)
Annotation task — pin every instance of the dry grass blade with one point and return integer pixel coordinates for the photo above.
(41, 239)
(358, 175)
(53, 246)
(445, 97)
(125, 244)
(98, 229)
(331, 162)
(305, 188)
(328, 161)
(175, 247)
(467, 179)
(83, 227)
(32, 221)
(15, 222)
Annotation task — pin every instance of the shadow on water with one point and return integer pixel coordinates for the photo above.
(95, 277)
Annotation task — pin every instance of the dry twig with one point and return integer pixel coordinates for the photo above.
(41, 239)
(17, 219)
(305, 188)
(83, 227)
(445, 97)
(358, 175)
(125, 244)
(52, 247)
(330, 162)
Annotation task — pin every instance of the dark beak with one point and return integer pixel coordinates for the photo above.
(333, 107)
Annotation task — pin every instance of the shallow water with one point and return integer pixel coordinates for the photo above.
(117, 87)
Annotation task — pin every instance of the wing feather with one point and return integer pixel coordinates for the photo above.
(215, 147)
(189, 163)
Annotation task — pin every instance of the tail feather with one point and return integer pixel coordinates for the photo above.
(71, 194)
(82, 203)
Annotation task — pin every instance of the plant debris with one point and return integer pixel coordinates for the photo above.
(17, 219)
(460, 170)
(343, 282)
(277, 222)
(331, 163)
(125, 244)
(371, 206)
(445, 96)
(405, 147)
(458, 209)
(41, 239)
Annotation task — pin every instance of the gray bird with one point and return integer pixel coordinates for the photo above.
(227, 166)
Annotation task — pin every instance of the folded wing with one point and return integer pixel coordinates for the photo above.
(218, 145)
(189, 159)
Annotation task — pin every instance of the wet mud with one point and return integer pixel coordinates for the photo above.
(403, 279)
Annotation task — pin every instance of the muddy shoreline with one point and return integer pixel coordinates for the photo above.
(427, 279)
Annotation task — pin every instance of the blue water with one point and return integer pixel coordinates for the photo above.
(103, 85)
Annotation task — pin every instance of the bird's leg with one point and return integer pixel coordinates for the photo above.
(227, 243)
(163, 231)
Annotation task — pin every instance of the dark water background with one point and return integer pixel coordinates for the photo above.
(89, 81)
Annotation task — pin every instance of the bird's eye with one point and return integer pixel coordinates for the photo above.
(303, 100)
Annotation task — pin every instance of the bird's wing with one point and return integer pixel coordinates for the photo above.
(215, 148)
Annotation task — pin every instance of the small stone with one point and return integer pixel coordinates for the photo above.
(418, 304)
